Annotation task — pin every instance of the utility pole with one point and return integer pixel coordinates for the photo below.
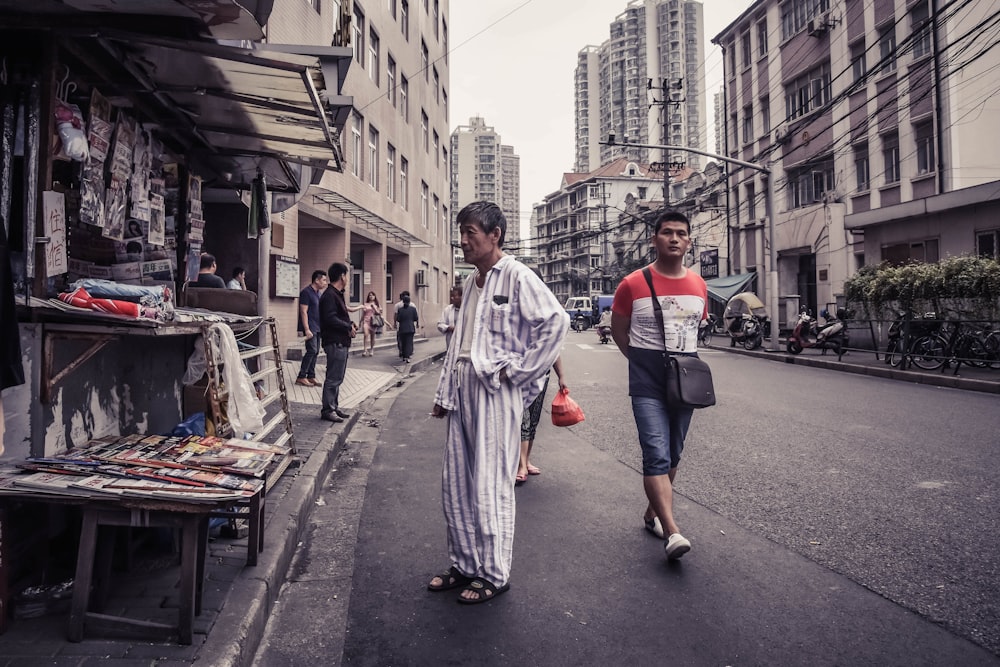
(670, 101)
(772, 273)
(604, 238)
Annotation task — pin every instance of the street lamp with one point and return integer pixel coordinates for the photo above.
(772, 273)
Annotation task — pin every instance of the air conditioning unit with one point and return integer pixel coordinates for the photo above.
(421, 278)
(818, 25)
(781, 134)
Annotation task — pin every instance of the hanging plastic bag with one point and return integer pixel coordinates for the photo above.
(565, 411)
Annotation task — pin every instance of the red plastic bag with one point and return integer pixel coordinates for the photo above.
(565, 411)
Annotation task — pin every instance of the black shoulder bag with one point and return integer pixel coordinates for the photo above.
(688, 378)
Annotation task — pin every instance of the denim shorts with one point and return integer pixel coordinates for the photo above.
(661, 434)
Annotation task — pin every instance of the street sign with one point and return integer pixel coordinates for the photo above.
(710, 263)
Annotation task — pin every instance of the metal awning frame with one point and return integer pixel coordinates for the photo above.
(370, 220)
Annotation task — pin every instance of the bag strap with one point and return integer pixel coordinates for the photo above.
(657, 308)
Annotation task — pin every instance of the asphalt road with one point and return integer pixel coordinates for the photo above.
(835, 519)
(892, 484)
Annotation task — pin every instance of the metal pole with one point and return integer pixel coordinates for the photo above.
(772, 269)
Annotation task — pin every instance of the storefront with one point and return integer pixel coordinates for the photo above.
(132, 143)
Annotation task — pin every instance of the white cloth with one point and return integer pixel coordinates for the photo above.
(449, 318)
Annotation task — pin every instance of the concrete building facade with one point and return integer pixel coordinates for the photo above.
(878, 121)
(646, 82)
(386, 214)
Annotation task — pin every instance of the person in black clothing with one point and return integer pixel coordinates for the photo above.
(406, 327)
(206, 274)
(336, 331)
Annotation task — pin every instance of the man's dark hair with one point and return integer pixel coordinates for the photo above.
(404, 293)
(487, 215)
(670, 216)
(455, 289)
(317, 274)
(237, 271)
(207, 260)
(336, 271)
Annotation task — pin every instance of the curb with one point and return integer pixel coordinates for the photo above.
(932, 378)
(252, 595)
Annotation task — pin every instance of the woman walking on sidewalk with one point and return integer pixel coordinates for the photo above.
(370, 309)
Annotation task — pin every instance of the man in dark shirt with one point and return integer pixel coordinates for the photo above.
(206, 274)
(309, 325)
(336, 330)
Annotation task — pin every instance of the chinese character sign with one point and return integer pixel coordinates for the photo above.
(54, 216)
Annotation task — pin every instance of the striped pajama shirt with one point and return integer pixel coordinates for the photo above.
(518, 327)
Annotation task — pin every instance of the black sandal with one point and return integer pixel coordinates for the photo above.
(484, 590)
(450, 579)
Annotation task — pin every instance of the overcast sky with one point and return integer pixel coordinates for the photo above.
(512, 63)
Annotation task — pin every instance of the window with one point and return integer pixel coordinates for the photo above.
(424, 131)
(747, 124)
(356, 144)
(736, 129)
(808, 93)
(642, 193)
(861, 168)
(392, 8)
(404, 192)
(858, 65)
(921, 28)
(444, 156)
(745, 49)
(424, 190)
(919, 251)
(988, 244)
(390, 172)
(890, 158)
(806, 185)
(437, 154)
(373, 65)
(425, 61)
(358, 36)
(925, 147)
(437, 28)
(444, 102)
(887, 48)
(390, 80)
(437, 86)
(765, 115)
(732, 59)
(762, 38)
(795, 14)
(404, 19)
(373, 162)
(751, 202)
(434, 212)
(404, 102)
(444, 38)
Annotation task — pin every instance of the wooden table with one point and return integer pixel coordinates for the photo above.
(93, 565)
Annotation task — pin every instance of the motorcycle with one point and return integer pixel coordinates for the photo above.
(745, 320)
(706, 329)
(831, 336)
(604, 333)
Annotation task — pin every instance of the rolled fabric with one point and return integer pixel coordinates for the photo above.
(78, 297)
(116, 307)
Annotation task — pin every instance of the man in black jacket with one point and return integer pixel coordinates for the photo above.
(336, 332)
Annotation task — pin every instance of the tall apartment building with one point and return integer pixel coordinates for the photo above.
(483, 168)
(386, 214)
(646, 82)
(878, 118)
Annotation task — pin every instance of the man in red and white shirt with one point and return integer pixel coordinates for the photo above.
(683, 297)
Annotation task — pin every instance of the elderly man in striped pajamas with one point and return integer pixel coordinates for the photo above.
(508, 335)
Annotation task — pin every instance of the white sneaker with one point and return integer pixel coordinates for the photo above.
(677, 545)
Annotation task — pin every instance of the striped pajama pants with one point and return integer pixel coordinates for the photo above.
(477, 485)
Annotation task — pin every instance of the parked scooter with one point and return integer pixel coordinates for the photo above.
(745, 320)
(831, 336)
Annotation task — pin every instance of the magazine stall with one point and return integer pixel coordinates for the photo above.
(128, 141)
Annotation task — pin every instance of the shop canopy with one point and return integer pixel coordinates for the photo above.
(724, 289)
(233, 111)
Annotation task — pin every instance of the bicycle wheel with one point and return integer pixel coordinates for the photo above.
(971, 350)
(928, 352)
(705, 337)
(894, 353)
(992, 347)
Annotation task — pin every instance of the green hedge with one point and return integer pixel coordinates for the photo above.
(969, 284)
